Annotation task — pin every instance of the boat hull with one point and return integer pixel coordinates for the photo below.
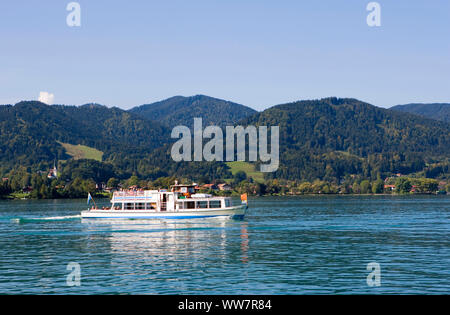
(233, 212)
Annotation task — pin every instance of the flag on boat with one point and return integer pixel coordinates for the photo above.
(89, 199)
(244, 198)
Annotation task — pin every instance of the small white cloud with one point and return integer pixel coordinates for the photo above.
(46, 98)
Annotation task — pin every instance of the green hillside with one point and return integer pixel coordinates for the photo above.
(247, 168)
(30, 132)
(79, 152)
(330, 139)
(34, 135)
(314, 134)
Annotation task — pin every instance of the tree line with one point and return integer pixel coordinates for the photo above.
(81, 178)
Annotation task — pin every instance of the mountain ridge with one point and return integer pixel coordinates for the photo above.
(374, 140)
(181, 110)
(328, 139)
(437, 111)
(30, 130)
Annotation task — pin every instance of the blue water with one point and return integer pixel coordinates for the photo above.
(285, 245)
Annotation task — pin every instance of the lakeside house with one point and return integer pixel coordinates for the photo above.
(209, 187)
(389, 187)
(27, 189)
(100, 186)
(224, 187)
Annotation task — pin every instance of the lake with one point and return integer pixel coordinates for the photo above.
(285, 245)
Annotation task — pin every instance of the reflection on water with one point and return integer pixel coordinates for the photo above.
(244, 242)
(284, 246)
(169, 240)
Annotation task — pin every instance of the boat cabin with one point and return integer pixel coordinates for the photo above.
(179, 198)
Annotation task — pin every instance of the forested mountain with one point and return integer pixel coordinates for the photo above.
(438, 111)
(30, 132)
(181, 110)
(330, 139)
(333, 138)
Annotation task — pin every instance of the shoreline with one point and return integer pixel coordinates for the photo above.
(12, 198)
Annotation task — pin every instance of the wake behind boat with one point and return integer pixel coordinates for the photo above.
(181, 202)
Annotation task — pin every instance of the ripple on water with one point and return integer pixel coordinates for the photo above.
(284, 246)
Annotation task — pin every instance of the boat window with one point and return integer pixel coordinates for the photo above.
(129, 206)
(190, 204)
(202, 204)
(149, 206)
(140, 206)
(214, 204)
(227, 203)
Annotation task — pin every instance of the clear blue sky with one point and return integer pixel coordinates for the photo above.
(255, 52)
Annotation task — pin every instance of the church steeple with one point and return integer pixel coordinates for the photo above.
(53, 172)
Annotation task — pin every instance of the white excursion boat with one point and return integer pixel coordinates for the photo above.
(181, 202)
